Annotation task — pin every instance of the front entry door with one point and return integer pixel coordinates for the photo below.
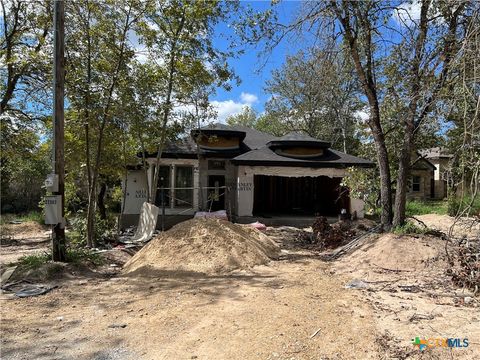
(216, 192)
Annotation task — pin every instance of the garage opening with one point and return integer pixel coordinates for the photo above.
(309, 196)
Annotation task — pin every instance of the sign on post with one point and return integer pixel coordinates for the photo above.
(53, 209)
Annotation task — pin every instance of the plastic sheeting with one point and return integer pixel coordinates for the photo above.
(220, 214)
(147, 223)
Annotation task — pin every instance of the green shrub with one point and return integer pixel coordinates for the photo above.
(34, 261)
(409, 228)
(36, 216)
(417, 207)
(79, 256)
(104, 230)
(456, 205)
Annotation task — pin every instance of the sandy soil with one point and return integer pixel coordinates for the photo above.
(293, 308)
(468, 227)
(403, 280)
(23, 239)
(269, 314)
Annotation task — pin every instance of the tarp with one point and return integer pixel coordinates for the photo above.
(220, 214)
(147, 223)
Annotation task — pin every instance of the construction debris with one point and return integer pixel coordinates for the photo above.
(33, 290)
(327, 236)
(146, 225)
(465, 264)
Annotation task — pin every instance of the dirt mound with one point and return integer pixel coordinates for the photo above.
(464, 227)
(204, 245)
(394, 252)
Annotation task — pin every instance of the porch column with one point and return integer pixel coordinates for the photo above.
(172, 186)
(245, 190)
(196, 185)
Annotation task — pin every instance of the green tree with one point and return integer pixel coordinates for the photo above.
(25, 55)
(247, 117)
(315, 92)
(425, 47)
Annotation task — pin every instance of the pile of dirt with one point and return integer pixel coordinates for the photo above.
(395, 252)
(205, 246)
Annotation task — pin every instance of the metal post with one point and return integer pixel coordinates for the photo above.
(58, 234)
(162, 191)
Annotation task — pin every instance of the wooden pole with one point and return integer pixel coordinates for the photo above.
(58, 235)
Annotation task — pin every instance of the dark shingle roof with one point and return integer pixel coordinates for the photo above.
(296, 136)
(255, 150)
(330, 158)
(436, 152)
(298, 139)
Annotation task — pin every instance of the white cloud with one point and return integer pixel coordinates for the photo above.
(226, 108)
(362, 115)
(230, 107)
(248, 98)
(141, 52)
(408, 13)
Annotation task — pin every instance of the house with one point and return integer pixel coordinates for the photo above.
(421, 185)
(441, 159)
(250, 174)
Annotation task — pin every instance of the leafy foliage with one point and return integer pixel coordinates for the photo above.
(417, 207)
(315, 92)
(105, 230)
(408, 228)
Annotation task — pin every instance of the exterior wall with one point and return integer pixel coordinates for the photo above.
(245, 184)
(137, 185)
(442, 166)
(357, 206)
(425, 185)
(136, 193)
(239, 180)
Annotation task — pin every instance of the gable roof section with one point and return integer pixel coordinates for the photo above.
(435, 153)
(421, 163)
(254, 139)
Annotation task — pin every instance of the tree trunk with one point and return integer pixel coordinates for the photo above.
(384, 168)
(402, 177)
(101, 201)
(167, 107)
(105, 116)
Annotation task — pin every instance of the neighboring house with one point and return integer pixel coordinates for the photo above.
(421, 185)
(440, 158)
(250, 174)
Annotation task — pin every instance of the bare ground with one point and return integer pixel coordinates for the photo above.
(294, 308)
(26, 238)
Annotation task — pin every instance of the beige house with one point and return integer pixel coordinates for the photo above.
(247, 173)
(421, 185)
(442, 162)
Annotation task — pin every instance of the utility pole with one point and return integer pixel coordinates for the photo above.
(58, 235)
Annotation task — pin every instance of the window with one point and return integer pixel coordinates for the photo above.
(163, 182)
(184, 186)
(416, 183)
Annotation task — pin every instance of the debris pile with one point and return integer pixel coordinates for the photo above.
(465, 264)
(331, 236)
(205, 246)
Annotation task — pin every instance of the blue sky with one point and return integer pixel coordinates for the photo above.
(252, 70)
(248, 66)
